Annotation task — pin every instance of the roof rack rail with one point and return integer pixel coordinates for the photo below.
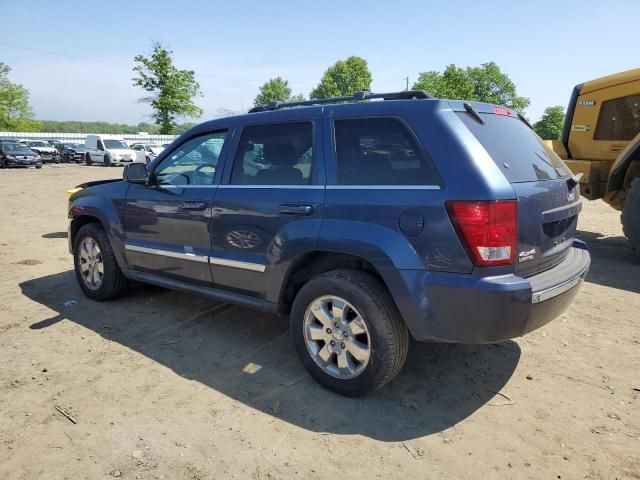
(356, 97)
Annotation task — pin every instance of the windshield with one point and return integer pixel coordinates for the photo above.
(72, 145)
(38, 144)
(14, 147)
(519, 153)
(115, 144)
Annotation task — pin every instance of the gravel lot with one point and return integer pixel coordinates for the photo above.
(169, 385)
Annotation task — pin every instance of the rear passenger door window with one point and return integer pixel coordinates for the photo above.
(380, 151)
(277, 154)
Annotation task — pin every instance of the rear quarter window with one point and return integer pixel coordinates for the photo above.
(516, 149)
(380, 151)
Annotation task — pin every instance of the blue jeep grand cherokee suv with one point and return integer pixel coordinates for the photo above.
(366, 221)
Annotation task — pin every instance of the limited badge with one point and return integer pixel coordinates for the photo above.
(586, 103)
(581, 128)
(526, 255)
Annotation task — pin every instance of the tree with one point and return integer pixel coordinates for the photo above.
(453, 83)
(343, 78)
(172, 90)
(549, 127)
(486, 83)
(15, 111)
(274, 90)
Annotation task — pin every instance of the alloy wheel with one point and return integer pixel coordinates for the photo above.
(337, 337)
(91, 263)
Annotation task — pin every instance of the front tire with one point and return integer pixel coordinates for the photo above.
(630, 217)
(97, 271)
(87, 159)
(348, 333)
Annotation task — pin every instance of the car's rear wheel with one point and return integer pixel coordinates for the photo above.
(348, 332)
(630, 217)
(87, 159)
(38, 167)
(95, 264)
(107, 161)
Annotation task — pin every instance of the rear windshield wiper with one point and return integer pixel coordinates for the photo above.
(472, 111)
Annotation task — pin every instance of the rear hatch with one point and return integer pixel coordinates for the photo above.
(548, 198)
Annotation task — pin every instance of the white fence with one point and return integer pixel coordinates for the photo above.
(79, 137)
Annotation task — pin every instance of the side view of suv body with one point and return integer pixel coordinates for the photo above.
(364, 221)
(107, 149)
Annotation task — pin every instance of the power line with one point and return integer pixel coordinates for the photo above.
(87, 59)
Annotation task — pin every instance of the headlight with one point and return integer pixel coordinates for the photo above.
(11, 157)
(38, 157)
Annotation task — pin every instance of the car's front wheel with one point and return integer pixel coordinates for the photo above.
(95, 264)
(348, 333)
(87, 159)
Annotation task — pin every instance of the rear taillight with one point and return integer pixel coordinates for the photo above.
(487, 229)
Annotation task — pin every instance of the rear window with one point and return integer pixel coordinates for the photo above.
(519, 153)
(380, 151)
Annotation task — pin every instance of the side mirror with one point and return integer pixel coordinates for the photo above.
(135, 173)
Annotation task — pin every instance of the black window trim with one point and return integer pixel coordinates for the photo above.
(166, 154)
(313, 184)
(438, 185)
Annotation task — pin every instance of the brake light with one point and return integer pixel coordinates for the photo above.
(501, 111)
(487, 230)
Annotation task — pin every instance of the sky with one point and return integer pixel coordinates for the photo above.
(76, 57)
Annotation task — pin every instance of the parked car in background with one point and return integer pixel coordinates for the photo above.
(14, 154)
(145, 152)
(107, 150)
(366, 222)
(46, 151)
(71, 152)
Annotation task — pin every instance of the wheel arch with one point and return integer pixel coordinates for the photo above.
(314, 263)
(627, 162)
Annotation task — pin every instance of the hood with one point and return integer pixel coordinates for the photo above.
(120, 151)
(43, 149)
(156, 150)
(21, 153)
(98, 182)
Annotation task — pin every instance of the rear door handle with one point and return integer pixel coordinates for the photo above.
(193, 206)
(296, 209)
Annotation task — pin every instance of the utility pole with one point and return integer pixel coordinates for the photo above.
(407, 79)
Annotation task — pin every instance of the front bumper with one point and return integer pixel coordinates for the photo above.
(20, 162)
(471, 309)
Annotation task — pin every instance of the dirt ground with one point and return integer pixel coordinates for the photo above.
(169, 385)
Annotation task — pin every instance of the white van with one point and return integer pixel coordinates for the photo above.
(107, 149)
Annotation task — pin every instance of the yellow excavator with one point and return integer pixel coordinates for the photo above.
(600, 143)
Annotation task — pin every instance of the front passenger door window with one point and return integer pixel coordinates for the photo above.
(192, 163)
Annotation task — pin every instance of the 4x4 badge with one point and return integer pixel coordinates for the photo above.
(526, 255)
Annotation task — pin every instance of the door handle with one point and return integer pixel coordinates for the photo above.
(296, 209)
(193, 206)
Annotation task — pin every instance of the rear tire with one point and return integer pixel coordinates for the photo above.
(630, 217)
(107, 161)
(97, 270)
(87, 159)
(381, 329)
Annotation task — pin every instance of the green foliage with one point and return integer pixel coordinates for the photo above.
(343, 78)
(15, 111)
(549, 127)
(172, 90)
(486, 83)
(276, 89)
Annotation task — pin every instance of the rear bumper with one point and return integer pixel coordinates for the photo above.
(472, 309)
